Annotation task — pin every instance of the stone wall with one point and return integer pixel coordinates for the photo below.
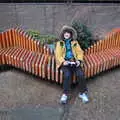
(49, 18)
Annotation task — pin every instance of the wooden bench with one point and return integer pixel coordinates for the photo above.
(20, 50)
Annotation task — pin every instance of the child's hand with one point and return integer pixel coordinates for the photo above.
(77, 63)
(66, 62)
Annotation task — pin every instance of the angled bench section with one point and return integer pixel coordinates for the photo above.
(19, 50)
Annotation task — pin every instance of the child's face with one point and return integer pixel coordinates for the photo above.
(67, 35)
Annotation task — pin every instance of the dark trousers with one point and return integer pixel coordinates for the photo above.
(67, 76)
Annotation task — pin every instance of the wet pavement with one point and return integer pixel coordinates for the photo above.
(25, 97)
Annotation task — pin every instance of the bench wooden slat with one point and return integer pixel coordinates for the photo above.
(33, 64)
(49, 68)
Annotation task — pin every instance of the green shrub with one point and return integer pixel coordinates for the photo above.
(48, 39)
(34, 33)
(44, 39)
(84, 36)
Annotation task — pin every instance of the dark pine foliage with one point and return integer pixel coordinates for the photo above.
(84, 36)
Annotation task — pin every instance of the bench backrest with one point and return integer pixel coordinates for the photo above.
(17, 37)
(112, 40)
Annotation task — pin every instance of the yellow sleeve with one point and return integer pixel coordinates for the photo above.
(79, 52)
(58, 54)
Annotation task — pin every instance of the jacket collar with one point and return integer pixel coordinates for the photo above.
(73, 42)
(67, 40)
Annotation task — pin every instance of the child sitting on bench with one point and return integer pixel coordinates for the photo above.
(69, 58)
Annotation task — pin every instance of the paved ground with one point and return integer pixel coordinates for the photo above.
(23, 97)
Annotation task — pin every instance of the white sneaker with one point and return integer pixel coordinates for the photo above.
(63, 99)
(84, 97)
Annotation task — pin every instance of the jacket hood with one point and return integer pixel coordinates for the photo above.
(64, 28)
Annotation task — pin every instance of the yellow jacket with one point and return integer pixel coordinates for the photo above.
(60, 51)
